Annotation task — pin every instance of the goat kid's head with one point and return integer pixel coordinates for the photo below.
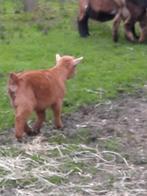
(69, 62)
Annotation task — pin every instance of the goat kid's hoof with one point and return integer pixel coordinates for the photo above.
(59, 126)
(33, 133)
(20, 140)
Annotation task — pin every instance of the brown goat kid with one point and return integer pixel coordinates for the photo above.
(37, 90)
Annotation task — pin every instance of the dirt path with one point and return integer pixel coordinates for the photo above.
(124, 119)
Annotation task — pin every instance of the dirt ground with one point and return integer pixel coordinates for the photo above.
(113, 149)
(124, 118)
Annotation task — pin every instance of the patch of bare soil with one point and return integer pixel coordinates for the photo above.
(101, 151)
(124, 119)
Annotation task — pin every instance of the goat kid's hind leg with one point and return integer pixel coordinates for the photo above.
(20, 121)
(40, 119)
(27, 129)
(57, 114)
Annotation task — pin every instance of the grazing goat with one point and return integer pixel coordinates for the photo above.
(37, 90)
(101, 10)
(128, 11)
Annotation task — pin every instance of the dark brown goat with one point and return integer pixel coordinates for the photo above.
(138, 10)
(118, 10)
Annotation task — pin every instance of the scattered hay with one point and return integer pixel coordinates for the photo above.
(52, 169)
(101, 151)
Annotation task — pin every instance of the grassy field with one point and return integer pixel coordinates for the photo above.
(30, 41)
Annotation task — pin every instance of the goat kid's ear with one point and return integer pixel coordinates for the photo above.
(78, 60)
(58, 57)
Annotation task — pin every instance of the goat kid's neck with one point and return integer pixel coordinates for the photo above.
(61, 71)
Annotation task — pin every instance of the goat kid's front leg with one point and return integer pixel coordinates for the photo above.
(40, 119)
(57, 107)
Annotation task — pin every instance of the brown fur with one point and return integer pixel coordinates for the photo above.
(118, 10)
(138, 14)
(101, 10)
(37, 90)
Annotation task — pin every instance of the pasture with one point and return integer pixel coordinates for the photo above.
(102, 148)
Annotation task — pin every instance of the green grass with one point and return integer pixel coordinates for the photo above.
(26, 44)
(112, 144)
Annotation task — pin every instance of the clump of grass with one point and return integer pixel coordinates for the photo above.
(112, 144)
(56, 180)
(45, 18)
(10, 151)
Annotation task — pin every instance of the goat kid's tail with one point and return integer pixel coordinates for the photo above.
(13, 82)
